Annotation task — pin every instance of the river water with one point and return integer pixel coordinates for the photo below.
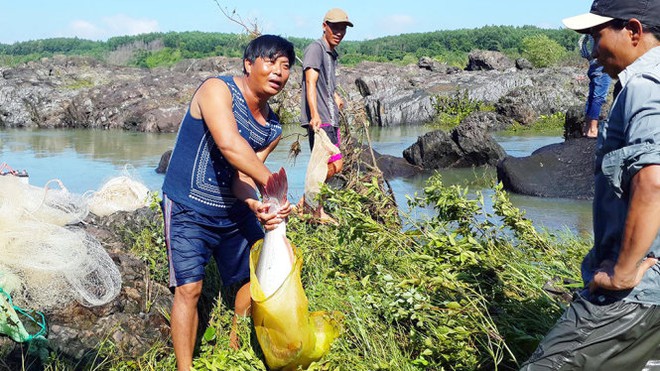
(84, 159)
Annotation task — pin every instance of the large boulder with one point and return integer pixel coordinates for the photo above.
(391, 166)
(477, 145)
(488, 60)
(563, 170)
(434, 150)
(467, 145)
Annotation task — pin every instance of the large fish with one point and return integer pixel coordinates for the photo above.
(276, 258)
(290, 337)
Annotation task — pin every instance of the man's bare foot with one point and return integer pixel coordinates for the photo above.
(299, 208)
(591, 129)
(320, 217)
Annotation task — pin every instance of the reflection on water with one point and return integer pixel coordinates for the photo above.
(84, 159)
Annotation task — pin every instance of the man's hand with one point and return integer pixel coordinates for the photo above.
(315, 123)
(269, 220)
(285, 210)
(610, 277)
(339, 102)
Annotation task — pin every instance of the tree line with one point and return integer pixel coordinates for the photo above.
(156, 49)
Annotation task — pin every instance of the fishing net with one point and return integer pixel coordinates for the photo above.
(52, 263)
(122, 193)
(52, 204)
(12, 326)
(288, 334)
(317, 169)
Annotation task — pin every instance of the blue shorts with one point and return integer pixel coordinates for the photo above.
(192, 238)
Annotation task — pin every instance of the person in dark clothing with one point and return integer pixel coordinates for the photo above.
(210, 204)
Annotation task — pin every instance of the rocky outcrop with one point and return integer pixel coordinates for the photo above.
(488, 60)
(467, 145)
(563, 170)
(524, 64)
(545, 95)
(83, 93)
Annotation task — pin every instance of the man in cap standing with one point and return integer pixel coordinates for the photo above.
(320, 101)
(614, 323)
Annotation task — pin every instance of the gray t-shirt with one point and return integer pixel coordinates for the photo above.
(319, 57)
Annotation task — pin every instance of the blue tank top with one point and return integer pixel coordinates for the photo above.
(198, 175)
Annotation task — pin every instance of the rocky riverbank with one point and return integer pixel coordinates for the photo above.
(72, 92)
(84, 93)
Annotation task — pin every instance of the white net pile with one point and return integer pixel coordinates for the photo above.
(49, 204)
(54, 263)
(122, 193)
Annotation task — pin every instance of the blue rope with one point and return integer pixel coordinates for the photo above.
(41, 324)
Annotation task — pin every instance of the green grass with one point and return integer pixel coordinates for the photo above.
(548, 124)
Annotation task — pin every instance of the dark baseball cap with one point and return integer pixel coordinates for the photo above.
(602, 11)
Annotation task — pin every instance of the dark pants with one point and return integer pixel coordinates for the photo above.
(614, 336)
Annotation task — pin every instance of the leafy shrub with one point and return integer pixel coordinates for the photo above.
(452, 109)
(162, 57)
(542, 51)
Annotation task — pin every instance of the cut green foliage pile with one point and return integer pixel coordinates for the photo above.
(460, 290)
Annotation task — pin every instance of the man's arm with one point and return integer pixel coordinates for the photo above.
(311, 77)
(245, 189)
(212, 102)
(641, 229)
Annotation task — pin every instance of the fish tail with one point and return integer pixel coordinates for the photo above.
(277, 186)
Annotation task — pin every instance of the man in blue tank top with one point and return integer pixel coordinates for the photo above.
(210, 202)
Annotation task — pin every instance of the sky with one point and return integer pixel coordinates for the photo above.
(23, 20)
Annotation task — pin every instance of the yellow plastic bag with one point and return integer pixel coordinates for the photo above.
(289, 335)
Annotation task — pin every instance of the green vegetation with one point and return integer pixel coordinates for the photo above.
(156, 49)
(80, 84)
(545, 124)
(452, 109)
(542, 51)
(459, 290)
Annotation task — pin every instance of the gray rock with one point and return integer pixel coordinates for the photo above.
(83, 93)
(469, 144)
(477, 146)
(164, 161)
(488, 60)
(524, 64)
(433, 150)
(563, 170)
(430, 64)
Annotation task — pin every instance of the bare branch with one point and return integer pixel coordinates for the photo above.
(251, 26)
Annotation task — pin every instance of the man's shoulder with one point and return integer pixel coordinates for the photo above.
(315, 46)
